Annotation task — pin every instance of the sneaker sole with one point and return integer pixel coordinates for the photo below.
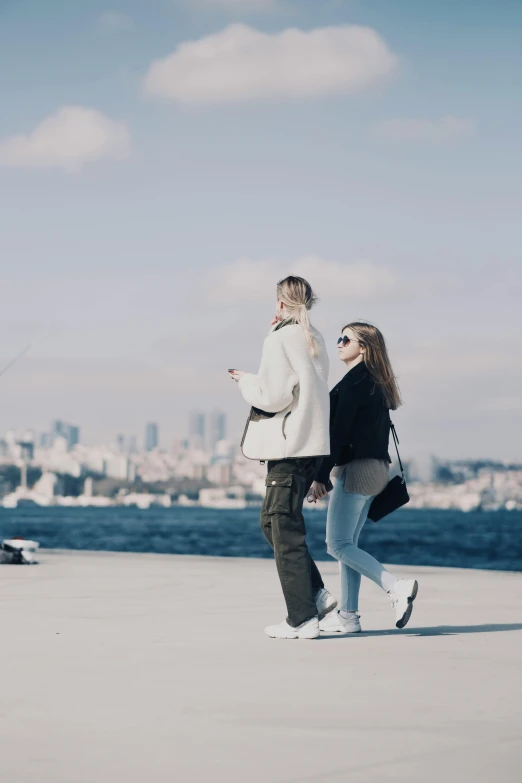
(407, 614)
(339, 629)
(297, 636)
(327, 611)
(291, 638)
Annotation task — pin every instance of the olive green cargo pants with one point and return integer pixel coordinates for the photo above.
(282, 522)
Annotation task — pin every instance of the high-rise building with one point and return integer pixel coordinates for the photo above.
(59, 429)
(217, 429)
(197, 429)
(73, 435)
(151, 436)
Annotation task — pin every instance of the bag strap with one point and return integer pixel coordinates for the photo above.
(396, 441)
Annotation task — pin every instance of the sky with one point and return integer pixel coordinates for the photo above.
(164, 164)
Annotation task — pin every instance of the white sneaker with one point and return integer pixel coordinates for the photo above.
(325, 602)
(402, 597)
(307, 630)
(335, 623)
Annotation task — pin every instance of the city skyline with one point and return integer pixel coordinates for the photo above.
(200, 471)
(150, 207)
(202, 430)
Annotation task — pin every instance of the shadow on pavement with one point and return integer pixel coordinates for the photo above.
(437, 630)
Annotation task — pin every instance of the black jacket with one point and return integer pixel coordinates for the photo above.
(359, 421)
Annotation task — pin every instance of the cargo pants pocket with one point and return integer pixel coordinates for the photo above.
(278, 498)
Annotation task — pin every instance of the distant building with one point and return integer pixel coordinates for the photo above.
(117, 467)
(217, 429)
(46, 440)
(59, 429)
(72, 435)
(220, 473)
(60, 445)
(120, 442)
(26, 449)
(197, 428)
(151, 436)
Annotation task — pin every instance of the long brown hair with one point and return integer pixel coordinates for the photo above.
(298, 298)
(377, 361)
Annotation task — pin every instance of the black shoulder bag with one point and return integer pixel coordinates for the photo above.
(394, 495)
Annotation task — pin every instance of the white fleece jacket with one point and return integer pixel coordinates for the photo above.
(293, 385)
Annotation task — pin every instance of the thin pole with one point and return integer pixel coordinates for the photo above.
(13, 361)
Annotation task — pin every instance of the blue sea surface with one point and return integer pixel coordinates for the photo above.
(491, 540)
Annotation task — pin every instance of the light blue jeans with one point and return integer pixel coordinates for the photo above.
(347, 513)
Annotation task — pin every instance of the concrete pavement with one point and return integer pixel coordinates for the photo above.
(132, 667)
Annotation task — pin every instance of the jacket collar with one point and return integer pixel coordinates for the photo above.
(280, 324)
(359, 369)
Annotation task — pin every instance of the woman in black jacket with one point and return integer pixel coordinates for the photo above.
(359, 432)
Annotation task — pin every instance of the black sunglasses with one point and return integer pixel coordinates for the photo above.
(345, 340)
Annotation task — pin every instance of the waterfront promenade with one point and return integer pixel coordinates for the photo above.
(131, 668)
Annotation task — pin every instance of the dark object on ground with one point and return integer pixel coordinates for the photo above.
(18, 551)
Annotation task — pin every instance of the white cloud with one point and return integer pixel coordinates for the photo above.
(68, 139)
(114, 22)
(334, 280)
(241, 63)
(255, 281)
(443, 130)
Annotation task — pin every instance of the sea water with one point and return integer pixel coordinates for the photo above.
(491, 540)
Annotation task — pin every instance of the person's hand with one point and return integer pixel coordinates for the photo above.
(236, 375)
(317, 491)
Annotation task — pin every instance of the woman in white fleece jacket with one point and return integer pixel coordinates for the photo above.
(288, 427)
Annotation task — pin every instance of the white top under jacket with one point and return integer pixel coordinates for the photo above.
(291, 386)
